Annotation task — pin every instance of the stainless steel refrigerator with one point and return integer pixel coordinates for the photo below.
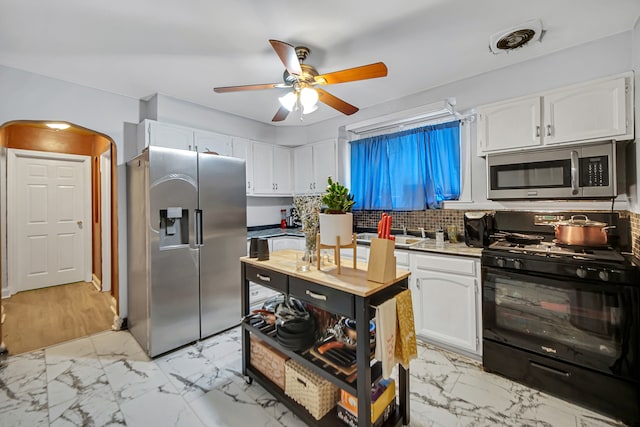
(186, 226)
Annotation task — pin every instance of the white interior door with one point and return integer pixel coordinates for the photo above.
(105, 179)
(49, 220)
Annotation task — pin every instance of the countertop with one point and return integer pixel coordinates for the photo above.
(353, 281)
(428, 245)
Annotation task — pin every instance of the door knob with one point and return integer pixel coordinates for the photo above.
(79, 223)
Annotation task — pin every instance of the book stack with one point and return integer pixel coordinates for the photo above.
(383, 404)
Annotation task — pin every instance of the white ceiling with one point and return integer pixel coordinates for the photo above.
(185, 48)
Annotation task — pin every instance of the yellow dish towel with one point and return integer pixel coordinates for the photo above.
(386, 327)
(406, 348)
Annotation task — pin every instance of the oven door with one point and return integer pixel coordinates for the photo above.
(590, 324)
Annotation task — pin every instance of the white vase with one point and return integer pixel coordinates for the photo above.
(332, 225)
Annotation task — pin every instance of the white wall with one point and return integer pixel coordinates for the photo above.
(601, 58)
(27, 96)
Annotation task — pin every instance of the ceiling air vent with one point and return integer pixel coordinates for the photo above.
(518, 36)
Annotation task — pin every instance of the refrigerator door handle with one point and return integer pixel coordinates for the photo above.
(198, 226)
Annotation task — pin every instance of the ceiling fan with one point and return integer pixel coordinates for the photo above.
(304, 80)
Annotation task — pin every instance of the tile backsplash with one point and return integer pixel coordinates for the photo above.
(433, 219)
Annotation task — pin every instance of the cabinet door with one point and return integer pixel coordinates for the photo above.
(303, 169)
(596, 111)
(170, 136)
(263, 168)
(282, 170)
(324, 165)
(509, 125)
(447, 309)
(243, 149)
(211, 141)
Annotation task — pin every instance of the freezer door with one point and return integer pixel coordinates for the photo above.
(223, 202)
(174, 289)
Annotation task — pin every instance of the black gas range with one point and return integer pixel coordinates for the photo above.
(560, 318)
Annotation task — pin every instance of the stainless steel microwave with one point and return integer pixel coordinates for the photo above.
(579, 171)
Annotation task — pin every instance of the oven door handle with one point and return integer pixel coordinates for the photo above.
(549, 369)
(574, 172)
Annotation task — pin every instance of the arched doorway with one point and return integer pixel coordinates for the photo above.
(36, 139)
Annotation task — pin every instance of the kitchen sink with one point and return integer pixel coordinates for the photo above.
(402, 241)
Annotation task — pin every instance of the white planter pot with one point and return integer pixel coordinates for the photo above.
(332, 225)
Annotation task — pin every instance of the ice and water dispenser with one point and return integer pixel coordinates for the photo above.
(174, 227)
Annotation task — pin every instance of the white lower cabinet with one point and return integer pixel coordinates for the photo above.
(446, 301)
(281, 243)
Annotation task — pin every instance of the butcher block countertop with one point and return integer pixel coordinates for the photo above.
(352, 281)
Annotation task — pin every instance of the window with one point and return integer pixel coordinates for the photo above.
(415, 169)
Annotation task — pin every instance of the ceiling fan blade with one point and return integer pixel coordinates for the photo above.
(281, 114)
(363, 72)
(288, 56)
(248, 87)
(335, 102)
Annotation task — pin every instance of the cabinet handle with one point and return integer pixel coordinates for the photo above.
(314, 185)
(316, 296)
(418, 284)
(538, 131)
(265, 278)
(310, 186)
(249, 185)
(548, 130)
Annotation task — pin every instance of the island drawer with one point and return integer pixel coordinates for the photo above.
(268, 278)
(329, 299)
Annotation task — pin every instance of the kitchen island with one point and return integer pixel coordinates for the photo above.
(348, 294)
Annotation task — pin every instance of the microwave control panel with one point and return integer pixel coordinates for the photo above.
(594, 171)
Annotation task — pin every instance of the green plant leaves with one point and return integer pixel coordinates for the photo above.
(337, 198)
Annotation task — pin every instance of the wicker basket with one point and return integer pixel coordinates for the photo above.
(310, 390)
(268, 360)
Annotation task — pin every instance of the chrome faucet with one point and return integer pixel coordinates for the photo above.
(404, 230)
(422, 233)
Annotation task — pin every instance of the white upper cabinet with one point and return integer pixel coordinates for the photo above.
(243, 149)
(183, 138)
(282, 170)
(509, 125)
(271, 169)
(587, 112)
(213, 142)
(596, 111)
(166, 135)
(312, 165)
(303, 169)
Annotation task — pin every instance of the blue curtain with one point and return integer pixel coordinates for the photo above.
(411, 170)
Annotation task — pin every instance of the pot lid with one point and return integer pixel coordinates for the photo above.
(582, 221)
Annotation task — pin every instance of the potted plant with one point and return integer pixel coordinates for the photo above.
(336, 219)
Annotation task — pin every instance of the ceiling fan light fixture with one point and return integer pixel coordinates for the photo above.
(309, 110)
(288, 101)
(308, 98)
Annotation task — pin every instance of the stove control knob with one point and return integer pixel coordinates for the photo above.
(581, 272)
(517, 264)
(501, 262)
(604, 275)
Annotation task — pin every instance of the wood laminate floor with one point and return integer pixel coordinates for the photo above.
(42, 317)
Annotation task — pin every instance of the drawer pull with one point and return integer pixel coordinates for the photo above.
(316, 296)
(549, 369)
(265, 278)
(301, 382)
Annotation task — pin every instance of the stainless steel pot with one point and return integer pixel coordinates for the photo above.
(582, 232)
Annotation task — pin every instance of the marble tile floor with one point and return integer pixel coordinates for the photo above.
(107, 380)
